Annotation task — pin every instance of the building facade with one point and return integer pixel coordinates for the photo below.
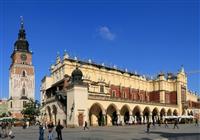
(22, 75)
(78, 91)
(3, 106)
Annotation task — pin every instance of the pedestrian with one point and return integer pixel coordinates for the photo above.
(46, 125)
(148, 126)
(176, 124)
(86, 125)
(50, 131)
(24, 125)
(3, 128)
(10, 133)
(165, 121)
(41, 132)
(154, 123)
(196, 122)
(27, 124)
(59, 128)
(159, 122)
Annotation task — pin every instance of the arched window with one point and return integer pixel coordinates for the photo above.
(11, 104)
(23, 73)
(23, 92)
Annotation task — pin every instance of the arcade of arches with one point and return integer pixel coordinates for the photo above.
(99, 114)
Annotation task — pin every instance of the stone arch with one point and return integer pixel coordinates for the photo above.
(54, 113)
(146, 111)
(184, 112)
(146, 114)
(175, 112)
(96, 115)
(136, 109)
(125, 114)
(162, 112)
(188, 112)
(155, 111)
(112, 115)
(191, 113)
(169, 112)
(136, 114)
(49, 114)
(155, 114)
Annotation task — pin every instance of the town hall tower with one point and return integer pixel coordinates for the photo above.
(22, 75)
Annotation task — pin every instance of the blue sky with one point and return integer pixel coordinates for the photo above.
(143, 36)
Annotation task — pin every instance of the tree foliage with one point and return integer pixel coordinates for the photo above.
(31, 110)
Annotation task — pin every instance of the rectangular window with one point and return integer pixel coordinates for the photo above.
(130, 96)
(24, 103)
(101, 89)
(167, 98)
(23, 92)
(113, 93)
(124, 95)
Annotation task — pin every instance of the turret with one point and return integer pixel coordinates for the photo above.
(161, 79)
(181, 87)
(66, 55)
(58, 59)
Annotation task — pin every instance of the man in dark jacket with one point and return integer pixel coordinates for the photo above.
(86, 125)
(176, 123)
(59, 128)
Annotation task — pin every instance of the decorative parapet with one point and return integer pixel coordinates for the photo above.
(108, 98)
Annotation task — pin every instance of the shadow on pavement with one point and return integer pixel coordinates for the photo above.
(174, 136)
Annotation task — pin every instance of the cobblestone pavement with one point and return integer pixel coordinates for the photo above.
(135, 132)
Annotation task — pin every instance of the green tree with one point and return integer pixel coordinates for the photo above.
(31, 110)
(9, 113)
(4, 115)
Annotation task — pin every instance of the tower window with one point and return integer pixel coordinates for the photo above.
(23, 73)
(23, 92)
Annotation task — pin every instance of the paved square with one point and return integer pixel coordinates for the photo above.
(136, 132)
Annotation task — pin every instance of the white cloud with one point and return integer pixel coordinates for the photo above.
(105, 33)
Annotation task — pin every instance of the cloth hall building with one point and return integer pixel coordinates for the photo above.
(77, 91)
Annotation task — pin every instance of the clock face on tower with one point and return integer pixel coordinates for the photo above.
(23, 57)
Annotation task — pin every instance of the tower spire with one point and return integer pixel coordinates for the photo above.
(22, 22)
(21, 44)
(22, 34)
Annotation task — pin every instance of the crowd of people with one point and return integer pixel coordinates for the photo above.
(6, 130)
(51, 129)
(175, 123)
